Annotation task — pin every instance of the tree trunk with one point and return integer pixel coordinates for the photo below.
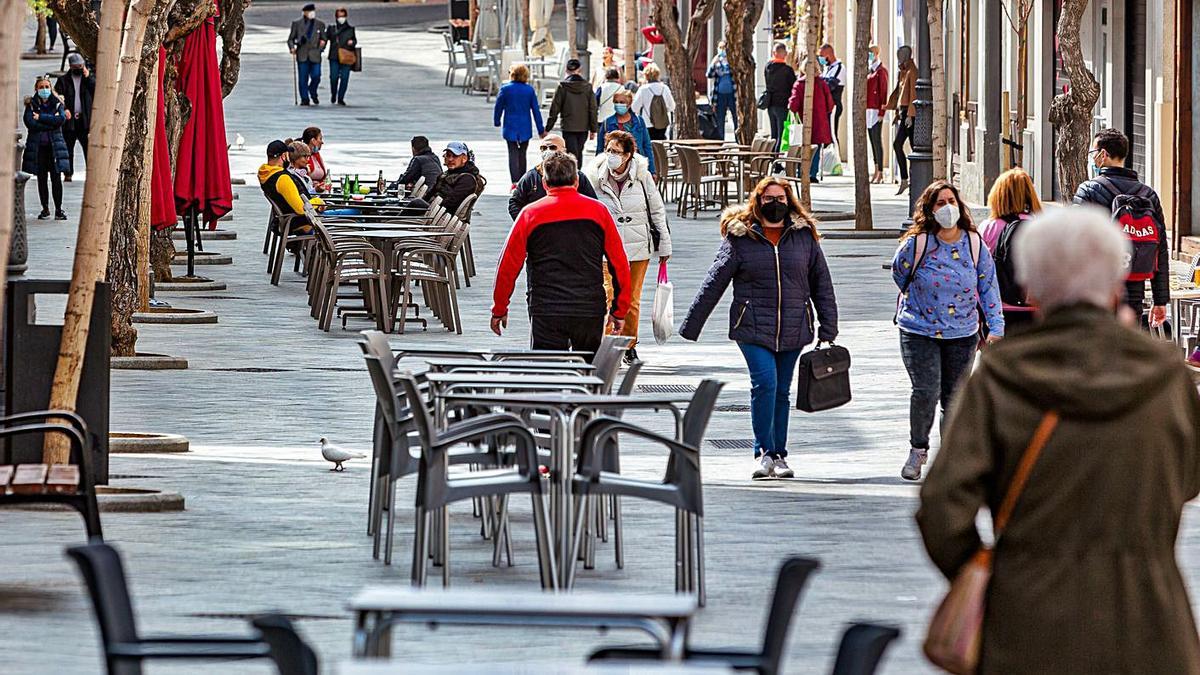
(76, 19)
(231, 26)
(629, 34)
(12, 15)
(42, 36)
(1071, 113)
(525, 27)
(937, 71)
(811, 37)
(1025, 8)
(679, 56)
(571, 51)
(119, 46)
(863, 218)
(741, 18)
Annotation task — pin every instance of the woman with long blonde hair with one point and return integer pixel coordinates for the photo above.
(1012, 200)
(772, 254)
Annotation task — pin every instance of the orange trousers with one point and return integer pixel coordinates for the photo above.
(637, 275)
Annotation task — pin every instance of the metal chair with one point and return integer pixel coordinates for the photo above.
(124, 649)
(793, 576)
(436, 489)
(291, 654)
(454, 59)
(680, 487)
(697, 191)
(83, 498)
(862, 648)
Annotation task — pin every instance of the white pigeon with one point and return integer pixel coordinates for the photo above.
(239, 142)
(337, 455)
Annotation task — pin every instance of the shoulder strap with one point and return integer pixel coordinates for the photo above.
(921, 240)
(974, 242)
(1109, 186)
(1040, 436)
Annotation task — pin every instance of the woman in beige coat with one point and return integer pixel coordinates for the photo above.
(1085, 578)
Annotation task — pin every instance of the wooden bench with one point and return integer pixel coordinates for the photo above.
(67, 484)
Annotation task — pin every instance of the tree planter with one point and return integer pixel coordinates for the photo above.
(174, 315)
(147, 361)
(123, 500)
(203, 258)
(135, 443)
(209, 235)
(189, 284)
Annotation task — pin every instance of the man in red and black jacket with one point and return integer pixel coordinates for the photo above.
(564, 239)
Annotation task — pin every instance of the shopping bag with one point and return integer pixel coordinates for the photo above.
(791, 125)
(664, 307)
(831, 160)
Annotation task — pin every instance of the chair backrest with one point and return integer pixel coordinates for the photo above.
(434, 205)
(689, 165)
(375, 343)
(397, 416)
(793, 575)
(426, 428)
(661, 164)
(699, 412)
(464, 210)
(630, 379)
(469, 59)
(100, 565)
(608, 359)
(418, 188)
(291, 654)
(862, 648)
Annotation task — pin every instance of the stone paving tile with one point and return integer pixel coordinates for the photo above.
(267, 527)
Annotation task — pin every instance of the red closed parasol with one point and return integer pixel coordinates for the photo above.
(162, 188)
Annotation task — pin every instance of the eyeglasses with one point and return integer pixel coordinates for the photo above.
(782, 199)
(548, 147)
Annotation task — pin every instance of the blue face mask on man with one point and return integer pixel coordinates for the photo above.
(43, 94)
(621, 108)
(823, 61)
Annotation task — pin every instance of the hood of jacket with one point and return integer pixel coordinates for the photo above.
(1081, 362)
(577, 85)
(739, 227)
(266, 171)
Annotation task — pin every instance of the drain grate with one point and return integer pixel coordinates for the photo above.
(246, 616)
(666, 388)
(336, 369)
(247, 370)
(731, 443)
(214, 297)
(129, 476)
(733, 407)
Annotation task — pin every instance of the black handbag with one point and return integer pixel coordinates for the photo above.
(823, 379)
(356, 67)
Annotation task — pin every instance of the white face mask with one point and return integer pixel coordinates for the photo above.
(615, 161)
(947, 216)
(547, 154)
(341, 20)
(310, 15)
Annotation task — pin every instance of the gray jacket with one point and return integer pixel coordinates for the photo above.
(308, 39)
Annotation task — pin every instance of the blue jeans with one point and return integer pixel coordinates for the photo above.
(725, 102)
(936, 367)
(339, 79)
(771, 375)
(310, 79)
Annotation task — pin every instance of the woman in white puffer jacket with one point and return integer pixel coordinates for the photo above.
(623, 183)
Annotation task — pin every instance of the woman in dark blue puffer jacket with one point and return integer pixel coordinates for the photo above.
(772, 255)
(46, 154)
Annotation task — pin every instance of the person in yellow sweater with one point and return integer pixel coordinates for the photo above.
(282, 188)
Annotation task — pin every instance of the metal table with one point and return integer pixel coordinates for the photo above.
(468, 365)
(665, 617)
(381, 667)
(565, 410)
(491, 354)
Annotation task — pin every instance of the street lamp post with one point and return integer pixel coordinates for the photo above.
(920, 162)
(581, 35)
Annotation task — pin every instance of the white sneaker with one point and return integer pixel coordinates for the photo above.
(912, 468)
(782, 470)
(764, 467)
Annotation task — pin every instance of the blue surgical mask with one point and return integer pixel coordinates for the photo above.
(621, 108)
(870, 58)
(43, 94)
(721, 54)
(822, 60)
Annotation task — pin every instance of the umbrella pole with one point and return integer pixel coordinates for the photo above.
(189, 224)
(199, 237)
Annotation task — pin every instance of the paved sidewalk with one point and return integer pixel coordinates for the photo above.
(268, 527)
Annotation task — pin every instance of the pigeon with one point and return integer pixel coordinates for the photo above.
(239, 142)
(337, 455)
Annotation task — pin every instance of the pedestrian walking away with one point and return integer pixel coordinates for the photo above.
(771, 254)
(531, 187)
(516, 104)
(822, 132)
(46, 153)
(575, 102)
(306, 42)
(723, 92)
(626, 186)
(901, 103)
(877, 97)
(780, 78)
(604, 93)
(1012, 200)
(1084, 578)
(77, 89)
(654, 104)
(423, 164)
(624, 120)
(946, 279)
(562, 241)
(1139, 213)
(834, 74)
(342, 42)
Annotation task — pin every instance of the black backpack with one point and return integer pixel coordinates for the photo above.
(1006, 277)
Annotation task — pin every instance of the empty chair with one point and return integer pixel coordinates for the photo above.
(793, 575)
(289, 651)
(124, 649)
(71, 425)
(697, 189)
(862, 648)
(680, 486)
(454, 59)
(436, 489)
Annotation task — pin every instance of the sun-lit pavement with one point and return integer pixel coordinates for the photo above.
(269, 528)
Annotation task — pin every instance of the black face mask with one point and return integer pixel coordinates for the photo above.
(774, 212)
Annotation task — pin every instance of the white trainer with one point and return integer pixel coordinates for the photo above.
(782, 470)
(912, 468)
(764, 467)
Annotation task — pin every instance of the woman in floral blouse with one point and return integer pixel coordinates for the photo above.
(948, 294)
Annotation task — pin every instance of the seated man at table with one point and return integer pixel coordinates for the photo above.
(423, 163)
(461, 178)
(563, 241)
(529, 189)
(283, 188)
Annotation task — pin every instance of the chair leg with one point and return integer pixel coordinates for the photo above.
(420, 547)
(91, 517)
(700, 559)
(375, 517)
(445, 546)
(618, 535)
(541, 524)
(577, 535)
(280, 252)
(391, 524)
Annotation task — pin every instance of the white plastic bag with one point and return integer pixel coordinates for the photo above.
(831, 160)
(664, 307)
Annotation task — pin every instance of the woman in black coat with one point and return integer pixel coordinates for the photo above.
(46, 153)
(340, 35)
(772, 255)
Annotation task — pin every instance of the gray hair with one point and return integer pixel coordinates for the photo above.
(560, 170)
(1066, 256)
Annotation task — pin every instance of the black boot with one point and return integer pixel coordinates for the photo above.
(631, 355)
(59, 214)
(45, 214)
